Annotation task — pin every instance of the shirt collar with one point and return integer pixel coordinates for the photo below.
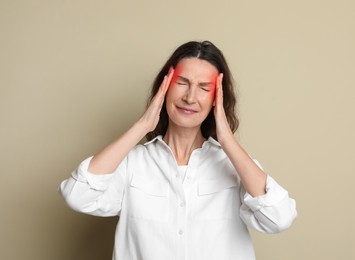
(213, 141)
(159, 138)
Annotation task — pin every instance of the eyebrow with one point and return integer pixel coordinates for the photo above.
(204, 84)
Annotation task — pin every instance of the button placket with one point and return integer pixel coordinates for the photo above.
(181, 223)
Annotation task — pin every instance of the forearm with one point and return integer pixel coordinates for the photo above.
(251, 176)
(107, 160)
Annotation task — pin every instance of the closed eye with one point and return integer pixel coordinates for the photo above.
(181, 83)
(206, 86)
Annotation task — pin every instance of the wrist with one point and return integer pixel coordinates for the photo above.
(141, 128)
(226, 138)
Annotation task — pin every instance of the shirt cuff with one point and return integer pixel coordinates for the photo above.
(274, 194)
(96, 181)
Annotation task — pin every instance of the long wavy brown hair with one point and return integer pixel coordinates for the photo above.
(209, 52)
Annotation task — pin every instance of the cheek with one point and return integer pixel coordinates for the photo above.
(207, 98)
(171, 95)
(213, 93)
(168, 97)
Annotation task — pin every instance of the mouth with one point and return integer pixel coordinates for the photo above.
(186, 110)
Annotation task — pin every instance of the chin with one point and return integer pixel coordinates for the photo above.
(187, 123)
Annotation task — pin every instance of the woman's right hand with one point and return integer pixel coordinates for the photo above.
(150, 118)
(107, 160)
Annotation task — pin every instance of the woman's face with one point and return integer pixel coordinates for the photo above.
(191, 93)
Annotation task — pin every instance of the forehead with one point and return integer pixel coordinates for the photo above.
(197, 69)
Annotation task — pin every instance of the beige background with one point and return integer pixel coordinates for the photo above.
(75, 74)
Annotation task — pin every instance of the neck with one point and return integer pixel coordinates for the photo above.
(182, 142)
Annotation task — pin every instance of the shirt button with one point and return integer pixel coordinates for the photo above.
(188, 177)
(181, 232)
(182, 204)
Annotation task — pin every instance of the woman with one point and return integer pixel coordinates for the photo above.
(191, 191)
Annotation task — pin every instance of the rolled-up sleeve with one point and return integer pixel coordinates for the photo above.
(272, 212)
(94, 194)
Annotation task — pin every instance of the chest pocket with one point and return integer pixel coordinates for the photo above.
(216, 199)
(148, 200)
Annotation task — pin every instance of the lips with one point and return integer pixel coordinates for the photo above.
(186, 110)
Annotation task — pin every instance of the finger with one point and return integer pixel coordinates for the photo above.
(158, 99)
(219, 91)
(166, 81)
(169, 78)
(162, 85)
(217, 85)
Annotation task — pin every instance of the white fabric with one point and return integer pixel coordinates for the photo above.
(202, 216)
(182, 172)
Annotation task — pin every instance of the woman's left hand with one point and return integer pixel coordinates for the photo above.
(223, 130)
(252, 177)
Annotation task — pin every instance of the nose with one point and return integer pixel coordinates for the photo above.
(190, 95)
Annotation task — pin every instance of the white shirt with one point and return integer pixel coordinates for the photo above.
(182, 172)
(167, 216)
